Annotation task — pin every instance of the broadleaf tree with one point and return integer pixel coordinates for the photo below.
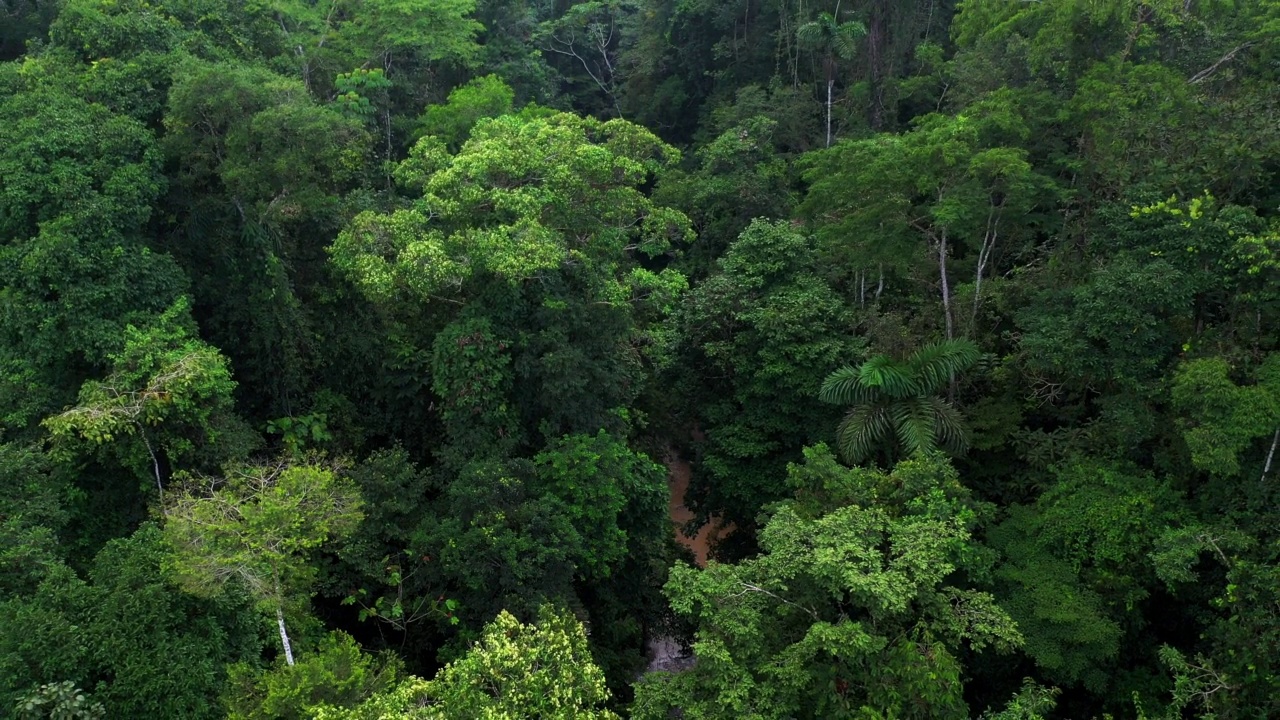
(255, 527)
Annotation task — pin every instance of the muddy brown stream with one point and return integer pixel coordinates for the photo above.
(678, 475)
(664, 652)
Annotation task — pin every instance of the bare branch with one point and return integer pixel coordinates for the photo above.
(748, 587)
(1207, 72)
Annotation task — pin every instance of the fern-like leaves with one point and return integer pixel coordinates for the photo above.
(897, 401)
(830, 36)
(864, 429)
(933, 366)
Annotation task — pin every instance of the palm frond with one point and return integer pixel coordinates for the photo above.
(813, 34)
(914, 422)
(934, 365)
(844, 38)
(889, 376)
(827, 34)
(949, 427)
(844, 387)
(864, 428)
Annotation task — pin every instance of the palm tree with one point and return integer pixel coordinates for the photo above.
(899, 400)
(835, 41)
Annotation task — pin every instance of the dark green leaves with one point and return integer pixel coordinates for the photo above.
(900, 395)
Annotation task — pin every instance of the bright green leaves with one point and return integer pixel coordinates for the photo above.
(1221, 420)
(531, 263)
(1096, 516)
(355, 88)
(517, 671)
(300, 433)
(163, 382)
(831, 38)
(61, 700)
(482, 97)
(845, 613)
(521, 198)
(256, 527)
(1033, 702)
(539, 670)
(427, 30)
(336, 673)
(924, 372)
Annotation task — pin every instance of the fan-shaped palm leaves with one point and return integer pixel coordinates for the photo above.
(897, 401)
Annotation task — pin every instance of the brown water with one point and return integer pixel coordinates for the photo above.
(665, 653)
(678, 474)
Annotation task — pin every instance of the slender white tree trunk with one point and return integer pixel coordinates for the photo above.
(946, 284)
(155, 462)
(830, 83)
(984, 257)
(880, 283)
(1270, 455)
(284, 636)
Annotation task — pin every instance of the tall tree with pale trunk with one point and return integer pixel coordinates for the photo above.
(256, 527)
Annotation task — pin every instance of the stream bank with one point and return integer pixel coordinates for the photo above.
(666, 653)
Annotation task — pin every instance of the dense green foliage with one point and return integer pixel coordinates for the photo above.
(342, 347)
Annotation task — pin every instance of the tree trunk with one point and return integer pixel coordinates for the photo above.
(387, 119)
(880, 283)
(1270, 454)
(984, 257)
(284, 636)
(155, 463)
(830, 84)
(877, 38)
(946, 284)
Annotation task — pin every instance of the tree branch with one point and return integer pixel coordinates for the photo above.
(1205, 73)
(748, 587)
